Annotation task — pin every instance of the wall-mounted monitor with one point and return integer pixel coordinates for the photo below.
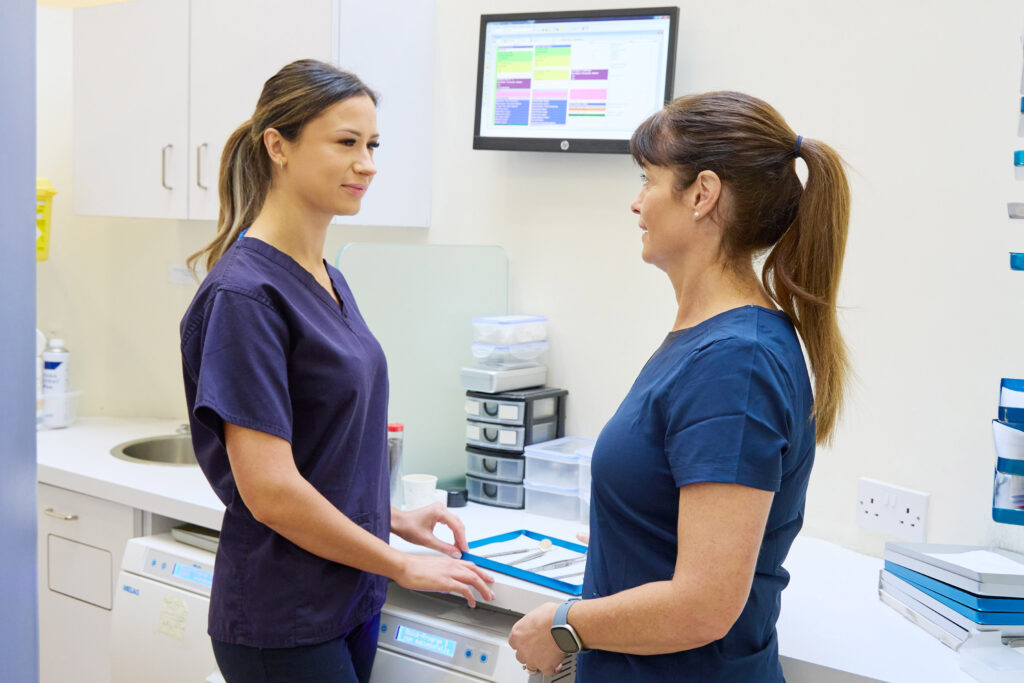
(572, 81)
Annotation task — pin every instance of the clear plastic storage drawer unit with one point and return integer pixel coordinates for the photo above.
(552, 501)
(500, 494)
(555, 463)
(510, 329)
(508, 467)
(516, 407)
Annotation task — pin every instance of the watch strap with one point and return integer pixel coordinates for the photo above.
(562, 613)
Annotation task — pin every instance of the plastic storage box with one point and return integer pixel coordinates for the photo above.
(585, 507)
(516, 407)
(509, 356)
(495, 493)
(552, 501)
(555, 463)
(510, 329)
(498, 466)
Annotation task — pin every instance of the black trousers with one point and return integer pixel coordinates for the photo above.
(346, 659)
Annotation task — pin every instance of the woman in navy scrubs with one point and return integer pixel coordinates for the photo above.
(699, 478)
(287, 393)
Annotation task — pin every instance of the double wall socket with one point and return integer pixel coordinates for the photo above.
(892, 510)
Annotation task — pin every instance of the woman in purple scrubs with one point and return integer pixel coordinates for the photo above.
(287, 393)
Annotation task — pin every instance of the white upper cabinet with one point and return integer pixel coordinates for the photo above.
(131, 109)
(159, 85)
(236, 46)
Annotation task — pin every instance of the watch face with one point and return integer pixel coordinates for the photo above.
(564, 639)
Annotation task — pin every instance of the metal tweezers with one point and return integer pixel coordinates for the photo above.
(558, 565)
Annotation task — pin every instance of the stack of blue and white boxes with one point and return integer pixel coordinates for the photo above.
(952, 590)
(1008, 432)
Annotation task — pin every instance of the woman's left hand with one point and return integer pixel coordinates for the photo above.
(531, 638)
(417, 526)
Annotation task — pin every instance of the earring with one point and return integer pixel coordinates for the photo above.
(696, 214)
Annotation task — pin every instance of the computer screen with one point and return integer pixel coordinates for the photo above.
(572, 81)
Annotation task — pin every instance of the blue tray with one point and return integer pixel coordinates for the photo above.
(524, 574)
(980, 603)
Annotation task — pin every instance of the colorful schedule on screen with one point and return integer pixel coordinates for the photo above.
(572, 76)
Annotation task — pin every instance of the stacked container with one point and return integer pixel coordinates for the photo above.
(505, 409)
(552, 477)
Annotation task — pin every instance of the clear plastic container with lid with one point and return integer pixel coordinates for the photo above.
(502, 330)
(585, 455)
(552, 501)
(555, 463)
(510, 355)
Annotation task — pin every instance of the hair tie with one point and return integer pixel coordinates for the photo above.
(799, 139)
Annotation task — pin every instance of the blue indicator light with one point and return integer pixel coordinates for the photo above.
(483, 658)
(383, 628)
(153, 563)
(163, 565)
(469, 653)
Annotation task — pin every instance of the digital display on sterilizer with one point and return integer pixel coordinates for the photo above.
(194, 574)
(425, 641)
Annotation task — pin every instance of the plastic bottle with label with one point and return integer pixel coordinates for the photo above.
(55, 383)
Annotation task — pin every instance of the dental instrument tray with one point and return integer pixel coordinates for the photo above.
(558, 566)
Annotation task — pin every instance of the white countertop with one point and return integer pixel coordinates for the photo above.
(831, 614)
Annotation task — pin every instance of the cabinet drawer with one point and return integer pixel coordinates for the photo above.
(78, 517)
(491, 465)
(507, 437)
(516, 407)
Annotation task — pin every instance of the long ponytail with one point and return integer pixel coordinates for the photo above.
(749, 146)
(802, 275)
(292, 97)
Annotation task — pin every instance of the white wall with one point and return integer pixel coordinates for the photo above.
(920, 97)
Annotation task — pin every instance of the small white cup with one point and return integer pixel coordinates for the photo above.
(418, 490)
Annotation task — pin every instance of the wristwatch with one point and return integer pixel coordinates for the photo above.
(565, 635)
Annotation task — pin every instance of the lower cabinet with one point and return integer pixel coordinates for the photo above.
(81, 541)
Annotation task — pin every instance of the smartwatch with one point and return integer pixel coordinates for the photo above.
(565, 635)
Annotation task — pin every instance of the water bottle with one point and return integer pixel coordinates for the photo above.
(55, 383)
(396, 435)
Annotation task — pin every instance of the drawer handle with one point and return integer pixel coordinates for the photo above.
(491, 434)
(491, 490)
(490, 464)
(163, 166)
(491, 409)
(49, 512)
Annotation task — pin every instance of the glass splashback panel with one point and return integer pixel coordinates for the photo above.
(419, 301)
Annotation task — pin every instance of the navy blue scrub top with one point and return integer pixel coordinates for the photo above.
(728, 400)
(264, 346)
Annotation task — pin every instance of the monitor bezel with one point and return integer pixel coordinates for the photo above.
(592, 145)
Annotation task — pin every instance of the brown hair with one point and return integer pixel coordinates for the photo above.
(752, 150)
(291, 98)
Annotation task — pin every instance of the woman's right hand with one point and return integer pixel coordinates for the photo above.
(446, 575)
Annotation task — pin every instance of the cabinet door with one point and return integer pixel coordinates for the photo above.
(131, 109)
(236, 46)
(81, 542)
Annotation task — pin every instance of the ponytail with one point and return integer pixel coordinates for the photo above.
(802, 275)
(242, 186)
(749, 146)
(292, 97)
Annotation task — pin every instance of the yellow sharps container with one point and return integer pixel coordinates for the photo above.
(44, 207)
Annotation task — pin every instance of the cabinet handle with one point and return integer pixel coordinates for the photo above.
(163, 166)
(199, 165)
(49, 512)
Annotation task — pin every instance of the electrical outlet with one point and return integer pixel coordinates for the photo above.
(892, 510)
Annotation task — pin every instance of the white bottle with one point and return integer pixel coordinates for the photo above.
(55, 383)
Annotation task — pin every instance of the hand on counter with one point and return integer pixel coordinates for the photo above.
(445, 574)
(531, 638)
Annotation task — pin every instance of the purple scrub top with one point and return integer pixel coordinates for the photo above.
(264, 346)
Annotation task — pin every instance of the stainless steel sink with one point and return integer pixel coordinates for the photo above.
(173, 449)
